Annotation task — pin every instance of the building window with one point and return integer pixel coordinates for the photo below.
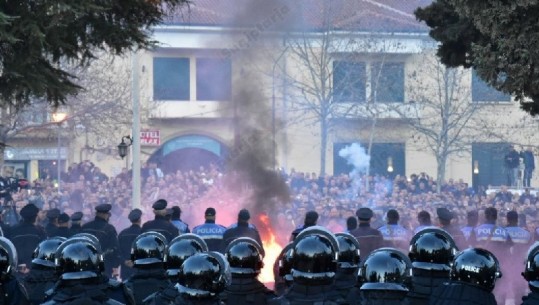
(214, 79)
(357, 81)
(171, 79)
(483, 92)
(349, 80)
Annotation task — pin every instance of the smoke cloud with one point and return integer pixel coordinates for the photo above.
(357, 156)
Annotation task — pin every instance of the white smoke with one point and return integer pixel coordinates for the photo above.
(357, 156)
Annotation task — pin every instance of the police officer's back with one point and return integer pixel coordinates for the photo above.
(160, 223)
(81, 270)
(282, 270)
(52, 222)
(531, 275)
(311, 217)
(12, 292)
(242, 229)
(369, 238)
(43, 274)
(472, 278)
(314, 263)
(107, 236)
(26, 235)
(432, 251)
(245, 258)
(472, 218)
(211, 232)
(384, 277)
(395, 235)
(125, 240)
(347, 267)
(424, 221)
(521, 242)
(177, 222)
(76, 226)
(149, 273)
(62, 230)
(444, 217)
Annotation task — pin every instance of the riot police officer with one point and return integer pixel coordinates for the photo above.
(26, 235)
(177, 221)
(531, 275)
(314, 262)
(125, 240)
(384, 277)
(522, 239)
(395, 235)
(62, 229)
(52, 222)
(12, 292)
(245, 258)
(282, 270)
(76, 227)
(81, 267)
(211, 232)
(432, 251)
(473, 276)
(107, 236)
(242, 229)
(444, 218)
(202, 277)
(347, 266)
(369, 238)
(42, 275)
(472, 217)
(180, 248)
(160, 223)
(149, 276)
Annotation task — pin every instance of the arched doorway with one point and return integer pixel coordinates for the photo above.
(189, 152)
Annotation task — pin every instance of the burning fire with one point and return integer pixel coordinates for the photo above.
(271, 247)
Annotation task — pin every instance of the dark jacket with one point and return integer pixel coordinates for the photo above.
(26, 237)
(531, 299)
(12, 292)
(241, 230)
(309, 294)
(106, 233)
(50, 229)
(212, 234)
(39, 280)
(424, 282)
(168, 296)
(383, 297)
(75, 229)
(118, 291)
(461, 293)
(146, 281)
(345, 281)
(61, 231)
(245, 291)
(161, 225)
(81, 292)
(125, 241)
(369, 238)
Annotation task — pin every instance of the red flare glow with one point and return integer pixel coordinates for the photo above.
(271, 247)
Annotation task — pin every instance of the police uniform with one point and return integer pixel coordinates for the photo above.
(521, 241)
(301, 294)
(424, 282)
(39, 280)
(211, 232)
(245, 291)
(76, 227)
(467, 232)
(62, 231)
(12, 292)
(51, 228)
(125, 240)
(118, 291)
(461, 293)
(108, 238)
(177, 222)
(395, 236)
(383, 297)
(369, 238)
(311, 218)
(160, 223)
(26, 236)
(531, 299)
(242, 229)
(446, 216)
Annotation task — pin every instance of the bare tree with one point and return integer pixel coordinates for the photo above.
(442, 115)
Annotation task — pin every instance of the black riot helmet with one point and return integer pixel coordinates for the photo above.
(284, 260)
(79, 259)
(90, 237)
(202, 276)
(148, 248)
(432, 249)
(318, 230)
(476, 266)
(8, 258)
(531, 271)
(314, 259)
(244, 256)
(385, 269)
(45, 252)
(181, 248)
(349, 255)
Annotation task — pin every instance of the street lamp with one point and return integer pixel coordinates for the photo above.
(58, 117)
(123, 146)
(389, 164)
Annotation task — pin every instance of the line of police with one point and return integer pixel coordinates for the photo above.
(316, 267)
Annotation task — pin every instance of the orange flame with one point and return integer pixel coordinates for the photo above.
(272, 249)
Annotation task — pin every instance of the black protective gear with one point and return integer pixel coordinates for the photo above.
(245, 291)
(319, 230)
(531, 299)
(8, 258)
(299, 294)
(244, 256)
(78, 259)
(148, 248)
(349, 255)
(424, 282)
(314, 259)
(181, 248)
(385, 269)
(89, 291)
(476, 266)
(531, 271)
(432, 249)
(45, 252)
(282, 269)
(461, 293)
(39, 280)
(203, 276)
(382, 297)
(90, 237)
(108, 239)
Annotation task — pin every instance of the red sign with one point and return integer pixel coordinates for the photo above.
(150, 138)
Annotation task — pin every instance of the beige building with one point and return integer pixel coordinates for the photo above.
(374, 81)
